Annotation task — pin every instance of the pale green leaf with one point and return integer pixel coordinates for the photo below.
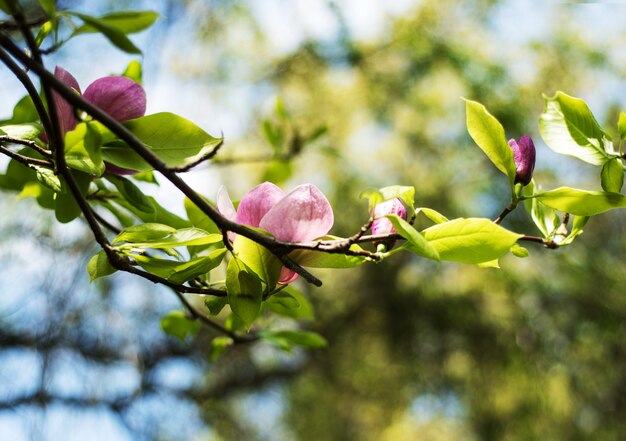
(568, 127)
(488, 134)
(612, 176)
(473, 240)
(177, 324)
(245, 291)
(581, 202)
(416, 243)
(99, 266)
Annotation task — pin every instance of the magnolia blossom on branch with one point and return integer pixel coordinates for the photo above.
(302, 215)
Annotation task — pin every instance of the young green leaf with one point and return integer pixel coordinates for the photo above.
(99, 266)
(373, 196)
(160, 214)
(488, 134)
(431, 214)
(290, 302)
(49, 6)
(470, 240)
(405, 193)
(48, 178)
(259, 260)
(82, 150)
(128, 22)
(215, 304)
(134, 71)
(177, 324)
(416, 243)
(621, 126)
(112, 33)
(612, 176)
(568, 127)
(181, 237)
(581, 202)
(578, 224)
(131, 193)
(219, 345)
(245, 291)
(180, 272)
(545, 218)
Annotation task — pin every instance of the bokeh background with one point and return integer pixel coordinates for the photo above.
(417, 350)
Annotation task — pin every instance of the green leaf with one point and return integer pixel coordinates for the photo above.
(431, 214)
(180, 272)
(134, 71)
(99, 266)
(373, 196)
(181, 237)
(258, 259)
(581, 202)
(286, 339)
(621, 126)
(612, 176)
(290, 302)
(175, 140)
(66, 208)
(198, 218)
(29, 131)
(519, 251)
(128, 22)
(48, 178)
(219, 346)
(470, 240)
(44, 31)
(177, 324)
(416, 243)
(82, 149)
(131, 193)
(488, 133)
(568, 127)
(545, 218)
(405, 193)
(112, 33)
(215, 304)
(245, 291)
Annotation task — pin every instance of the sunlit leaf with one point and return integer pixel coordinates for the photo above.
(568, 127)
(488, 134)
(581, 202)
(472, 240)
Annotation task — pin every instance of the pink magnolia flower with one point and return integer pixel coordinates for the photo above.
(120, 97)
(381, 224)
(301, 215)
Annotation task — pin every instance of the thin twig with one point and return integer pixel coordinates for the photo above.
(27, 160)
(26, 142)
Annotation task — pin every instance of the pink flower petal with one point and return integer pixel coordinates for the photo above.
(381, 224)
(65, 111)
(287, 276)
(120, 97)
(303, 214)
(257, 202)
(225, 205)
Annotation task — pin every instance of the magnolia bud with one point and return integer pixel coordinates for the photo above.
(524, 156)
(381, 224)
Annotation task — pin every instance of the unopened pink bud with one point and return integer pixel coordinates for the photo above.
(382, 225)
(524, 156)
